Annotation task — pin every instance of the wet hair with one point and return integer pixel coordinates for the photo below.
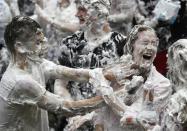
(176, 63)
(133, 36)
(93, 4)
(20, 28)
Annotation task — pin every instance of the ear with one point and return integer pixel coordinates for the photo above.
(19, 47)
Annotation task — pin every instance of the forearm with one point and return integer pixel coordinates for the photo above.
(13, 4)
(115, 104)
(63, 72)
(40, 3)
(54, 103)
(42, 15)
(67, 27)
(76, 122)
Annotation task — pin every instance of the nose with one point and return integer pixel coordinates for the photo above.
(149, 47)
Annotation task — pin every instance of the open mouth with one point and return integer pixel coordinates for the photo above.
(81, 20)
(147, 56)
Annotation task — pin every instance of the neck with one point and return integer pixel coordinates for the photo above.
(25, 61)
(145, 73)
(20, 61)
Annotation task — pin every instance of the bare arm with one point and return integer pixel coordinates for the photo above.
(67, 27)
(77, 121)
(115, 104)
(41, 3)
(63, 72)
(51, 70)
(13, 4)
(64, 26)
(31, 92)
(56, 104)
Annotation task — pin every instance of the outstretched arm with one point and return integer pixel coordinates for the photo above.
(54, 71)
(13, 4)
(56, 104)
(28, 91)
(125, 70)
(63, 72)
(64, 26)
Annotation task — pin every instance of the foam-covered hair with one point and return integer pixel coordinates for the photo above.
(21, 27)
(133, 36)
(93, 3)
(176, 63)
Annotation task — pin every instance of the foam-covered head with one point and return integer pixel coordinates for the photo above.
(177, 63)
(93, 3)
(142, 44)
(23, 32)
(91, 9)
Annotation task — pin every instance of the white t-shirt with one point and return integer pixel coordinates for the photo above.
(19, 110)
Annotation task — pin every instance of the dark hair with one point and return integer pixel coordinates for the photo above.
(133, 36)
(21, 27)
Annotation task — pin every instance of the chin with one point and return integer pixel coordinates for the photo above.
(145, 66)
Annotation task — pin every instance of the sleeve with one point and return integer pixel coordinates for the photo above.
(27, 91)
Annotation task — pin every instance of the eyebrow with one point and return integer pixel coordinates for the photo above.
(145, 40)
